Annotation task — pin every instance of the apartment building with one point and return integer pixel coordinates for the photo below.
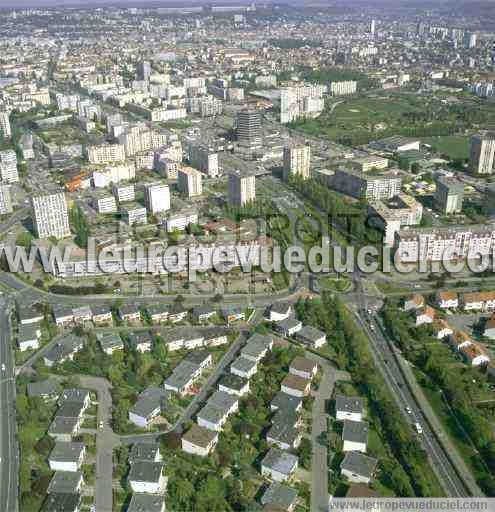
(363, 186)
(297, 159)
(124, 193)
(249, 128)
(449, 195)
(342, 88)
(51, 217)
(106, 153)
(432, 244)
(242, 189)
(8, 166)
(134, 214)
(157, 197)
(5, 129)
(204, 159)
(482, 154)
(190, 182)
(180, 221)
(367, 163)
(105, 204)
(5, 200)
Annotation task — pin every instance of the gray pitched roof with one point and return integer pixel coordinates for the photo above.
(351, 404)
(232, 381)
(145, 452)
(60, 502)
(243, 364)
(146, 503)
(355, 431)
(280, 461)
(360, 464)
(181, 375)
(279, 495)
(309, 333)
(42, 388)
(65, 482)
(148, 401)
(66, 451)
(144, 471)
(284, 401)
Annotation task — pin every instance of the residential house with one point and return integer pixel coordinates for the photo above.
(303, 367)
(215, 336)
(474, 354)
(349, 408)
(243, 367)
(233, 314)
(311, 336)
(233, 385)
(63, 429)
(66, 482)
(478, 301)
(141, 341)
(217, 410)
(174, 339)
(279, 311)
(286, 402)
(460, 339)
(66, 456)
(442, 329)
(62, 502)
(296, 386)
(63, 316)
(425, 316)
(77, 395)
(358, 468)
(29, 315)
(158, 313)
(47, 389)
(200, 358)
(177, 313)
(101, 314)
(199, 440)
(284, 431)
(280, 496)
(203, 313)
(82, 314)
(28, 337)
(447, 300)
(129, 313)
(148, 407)
(278, 465)
(192, 339)
(110, 341)
(257, 346)
(147, 477)
(146, 503)
(145, 452)
(63, 350)
(355, 436)
(289, 327)
(414, 302)
(182, 377)
(489, 331)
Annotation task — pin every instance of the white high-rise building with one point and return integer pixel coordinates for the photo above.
(297, 161)
(5, 200)
(157, 197)
(372, 27)
(190, 182)
(242, 189)
(5, 129)
(124, 193)
(106, 153)
(203, 159)
(51, 217)
(8, 166)
(343, 88)
(482, 155)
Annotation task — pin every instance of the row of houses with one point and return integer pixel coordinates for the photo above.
(66, 457)
(202, 437)
(472, 301)
(281, 314)
(473, 352)
(146, 478)
(356, 466)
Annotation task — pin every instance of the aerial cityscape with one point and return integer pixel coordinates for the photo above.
(247, 256)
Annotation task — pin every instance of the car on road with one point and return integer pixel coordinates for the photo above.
(101, 425)
(3, 367)
(418, 427)
(408, 410)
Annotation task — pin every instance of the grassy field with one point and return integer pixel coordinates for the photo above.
(454, 146)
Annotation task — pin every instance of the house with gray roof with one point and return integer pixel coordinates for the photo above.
(147, 477)
(355, 436)
(203, 313)
(63, 350)
(47, 389)
(286, 402)
(243, 367)
(289, 326)
(145, 452)
(279, 495)
(101, 314)
(66, 482)
(110, 341)
(29, 315)
(148, 407)
(66, 456)
(61, 502)
(182, 377)
(279, 465)
(200, 357)
(75, 395)
(349, 408)
(141, 341)
(199, 440)
(146, 503)
(233, 384)
(257, 346)
(217, 410)
(158, 313)
(63, 429)
(311, 336)
(358, 468)
(63, 315)
(28, 337)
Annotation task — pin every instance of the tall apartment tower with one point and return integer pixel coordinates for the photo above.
(297, 161)
(51, 217)
(157, 197)
(8, 166)
(5, 130)
(144, 70)
(372, 27)
(249, 128)
(482, 155)
(189, 182)
(242, 189)
(449, 195)
(5, 200)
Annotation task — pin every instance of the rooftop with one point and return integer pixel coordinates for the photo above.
(360, 464)
(351, 404)
(145, 471)
(146, 503)
(280, 461)
(355, 431)
(199, 436)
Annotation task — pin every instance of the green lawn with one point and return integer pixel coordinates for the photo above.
(454, 146)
